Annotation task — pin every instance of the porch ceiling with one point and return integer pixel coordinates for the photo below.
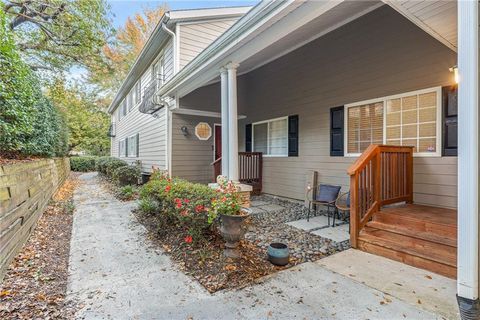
(438, 18)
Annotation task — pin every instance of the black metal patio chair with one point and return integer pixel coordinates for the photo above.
(325, 195)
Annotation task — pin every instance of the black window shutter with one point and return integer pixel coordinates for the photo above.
(336, 131)
(126, 147)
(293, 136)
(450, 120)
(138, 144)
(248, 137)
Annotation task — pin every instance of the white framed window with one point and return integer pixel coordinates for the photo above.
(407, 119)
(129, 99)
(271, 137)
(121, 148)
(132, 146)
(124, 108)
(158, 70)
(138, 91)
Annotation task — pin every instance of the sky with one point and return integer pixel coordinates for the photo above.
(123, 8)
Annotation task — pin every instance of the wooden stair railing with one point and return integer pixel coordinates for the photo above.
(382, 175)
(217, 168)
(250, 166)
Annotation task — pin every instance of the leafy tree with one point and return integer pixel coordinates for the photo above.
(29, 123)
(57, 34)
(118, 56)
(87, 123)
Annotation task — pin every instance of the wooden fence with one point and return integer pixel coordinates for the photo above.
(25, 189)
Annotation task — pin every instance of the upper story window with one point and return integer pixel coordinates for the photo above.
(408, 119)
(138, 91)
(158, 72)
(129, 99)
(124, 107)
(271, 137)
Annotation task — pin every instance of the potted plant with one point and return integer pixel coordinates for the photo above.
(227, 205)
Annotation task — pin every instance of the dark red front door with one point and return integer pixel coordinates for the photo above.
(218, 142)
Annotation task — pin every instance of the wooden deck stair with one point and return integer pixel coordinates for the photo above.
(384, 220)
(421, 236)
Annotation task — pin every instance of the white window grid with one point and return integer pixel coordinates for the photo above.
(268, 136)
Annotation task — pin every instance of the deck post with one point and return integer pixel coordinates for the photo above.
(232, 122)
(468, 160)
(224, 115)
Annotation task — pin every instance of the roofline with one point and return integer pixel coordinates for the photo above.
(170, 17)
(207, 13)
(250, 21)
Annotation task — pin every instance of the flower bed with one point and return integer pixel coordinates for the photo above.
(181, 218)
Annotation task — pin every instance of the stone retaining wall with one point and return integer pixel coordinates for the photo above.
(25, 189)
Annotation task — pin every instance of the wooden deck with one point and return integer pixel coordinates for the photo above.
(421, 236)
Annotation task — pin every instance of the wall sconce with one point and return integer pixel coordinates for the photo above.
(454, 69)
(184, 131)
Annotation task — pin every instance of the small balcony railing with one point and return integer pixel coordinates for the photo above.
(148, 103)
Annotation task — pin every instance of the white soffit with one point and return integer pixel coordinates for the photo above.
(437, 18)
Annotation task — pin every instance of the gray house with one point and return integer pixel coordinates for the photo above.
(379, 97)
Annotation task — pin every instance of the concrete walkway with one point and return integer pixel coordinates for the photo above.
(115, 274)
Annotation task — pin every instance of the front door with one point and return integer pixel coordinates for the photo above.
(218, 142)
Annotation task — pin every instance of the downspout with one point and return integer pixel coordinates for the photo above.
(168, 138)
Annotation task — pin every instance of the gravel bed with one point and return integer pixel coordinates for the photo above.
(267, 227)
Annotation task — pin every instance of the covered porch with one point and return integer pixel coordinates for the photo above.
(355, 55)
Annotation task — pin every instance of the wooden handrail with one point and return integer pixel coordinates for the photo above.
(216, 161)
(382, 175)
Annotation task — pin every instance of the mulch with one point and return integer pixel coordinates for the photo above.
(11, 158)
(36, 282)
(206, 263)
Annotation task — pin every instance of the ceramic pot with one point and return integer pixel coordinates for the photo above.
(278, 254)
(232, 230)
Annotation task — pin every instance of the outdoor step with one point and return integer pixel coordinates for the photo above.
(417, 252)
(441, 226)
(414, 231)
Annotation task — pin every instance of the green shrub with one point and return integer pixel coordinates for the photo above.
(29, 123)
(148, 206)
(126, 193)
(101, 162)
(126, 175)
(180, 202)
(113, 164)
(83, 163)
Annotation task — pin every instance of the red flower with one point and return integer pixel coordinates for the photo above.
(167, 188)
(186, 200)
(199, 208)
(224, 199)
(188, 239)
(184, 213)
(178, 203)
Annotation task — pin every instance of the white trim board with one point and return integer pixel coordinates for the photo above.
(202, 113)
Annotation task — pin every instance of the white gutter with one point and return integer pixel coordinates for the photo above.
(250, 20)
(175, 48)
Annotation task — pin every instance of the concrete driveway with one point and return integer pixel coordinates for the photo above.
(116, 274)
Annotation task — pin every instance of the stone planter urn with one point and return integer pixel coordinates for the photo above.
(233, 230)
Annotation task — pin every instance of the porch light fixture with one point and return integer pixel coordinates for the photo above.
(454, 69)
(184, 130)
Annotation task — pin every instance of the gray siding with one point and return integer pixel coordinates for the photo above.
(153, 131)
(195, 37)
(380, 54)
(191, 157)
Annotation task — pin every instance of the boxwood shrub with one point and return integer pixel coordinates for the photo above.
(126, 175)
(101, 164)
(112, 164)
(83, 163)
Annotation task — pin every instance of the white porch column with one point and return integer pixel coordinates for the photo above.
(232, 122)
(468, 159)
(225, 124)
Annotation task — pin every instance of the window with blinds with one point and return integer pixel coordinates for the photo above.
(410, 119)
(271, 137)
(365, 126)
